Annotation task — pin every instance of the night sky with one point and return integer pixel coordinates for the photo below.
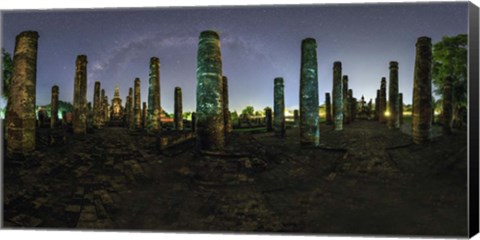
(257, 43)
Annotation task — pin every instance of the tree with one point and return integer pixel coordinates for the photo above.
(248, 111)
(234, 116)
(187, 115)
(450, 59)
(7, 69)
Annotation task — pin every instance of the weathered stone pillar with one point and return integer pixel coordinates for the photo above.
(103, 102)
(227, 119)
(369, 108)
(80, 96)
(178, 111)
(337, 96)
(106, 117)
(154, 107)
(353, 105)
(54, 107)
(268, 119)
(447, 112)
(127, 110)
(144, 114)
(137, 110)
(98, 107)
(328, 109)
(296, 117)
(400, 109)
(377, 105)
(89, 116)
(394, 118)
(131, 114)
(383, 101)
(210, 115)
(346, 103)
(20, 116)
(422, 92)
(64, 118)
(194, 121)
(279, 107)
(309, 118)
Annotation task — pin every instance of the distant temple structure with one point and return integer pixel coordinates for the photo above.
(116, 111)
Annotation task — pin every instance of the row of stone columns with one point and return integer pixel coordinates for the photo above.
(212, 97)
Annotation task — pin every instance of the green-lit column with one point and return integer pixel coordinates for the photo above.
(137, 101)
(279, 107)
(210, 115)
(154, 108)
(20, 115)
(337, 96)
(309, 118)
(422, 92)
(178, 109)
(393, 119)
(328, 109)
(54, 108)
(80, 96)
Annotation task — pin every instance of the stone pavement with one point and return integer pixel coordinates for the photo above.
(363, 180)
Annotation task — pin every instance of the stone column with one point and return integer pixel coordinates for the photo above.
(89, 116)
(296, 117)
(80, 96)
(131, 114)
(178, 110)
(144, 114)
(154, 107)
(20, 116)
(98, 108)
(352, 105)
(279, 107)
(106, 117)
(377, 105)
(268, 119)
(210, 115)
(383, 101)
(394, 118)
(400, 109)
(64, 118)
(328, 109)
(227, 119)
(447, 112)
(337, 96)
(422, 92)
(54, 107)
(346, 104)
(103, 102)
(309, 118)
(193, 122)
(127, 110)
(137, 110)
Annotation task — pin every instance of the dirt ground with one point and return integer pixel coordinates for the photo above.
(366, 179)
